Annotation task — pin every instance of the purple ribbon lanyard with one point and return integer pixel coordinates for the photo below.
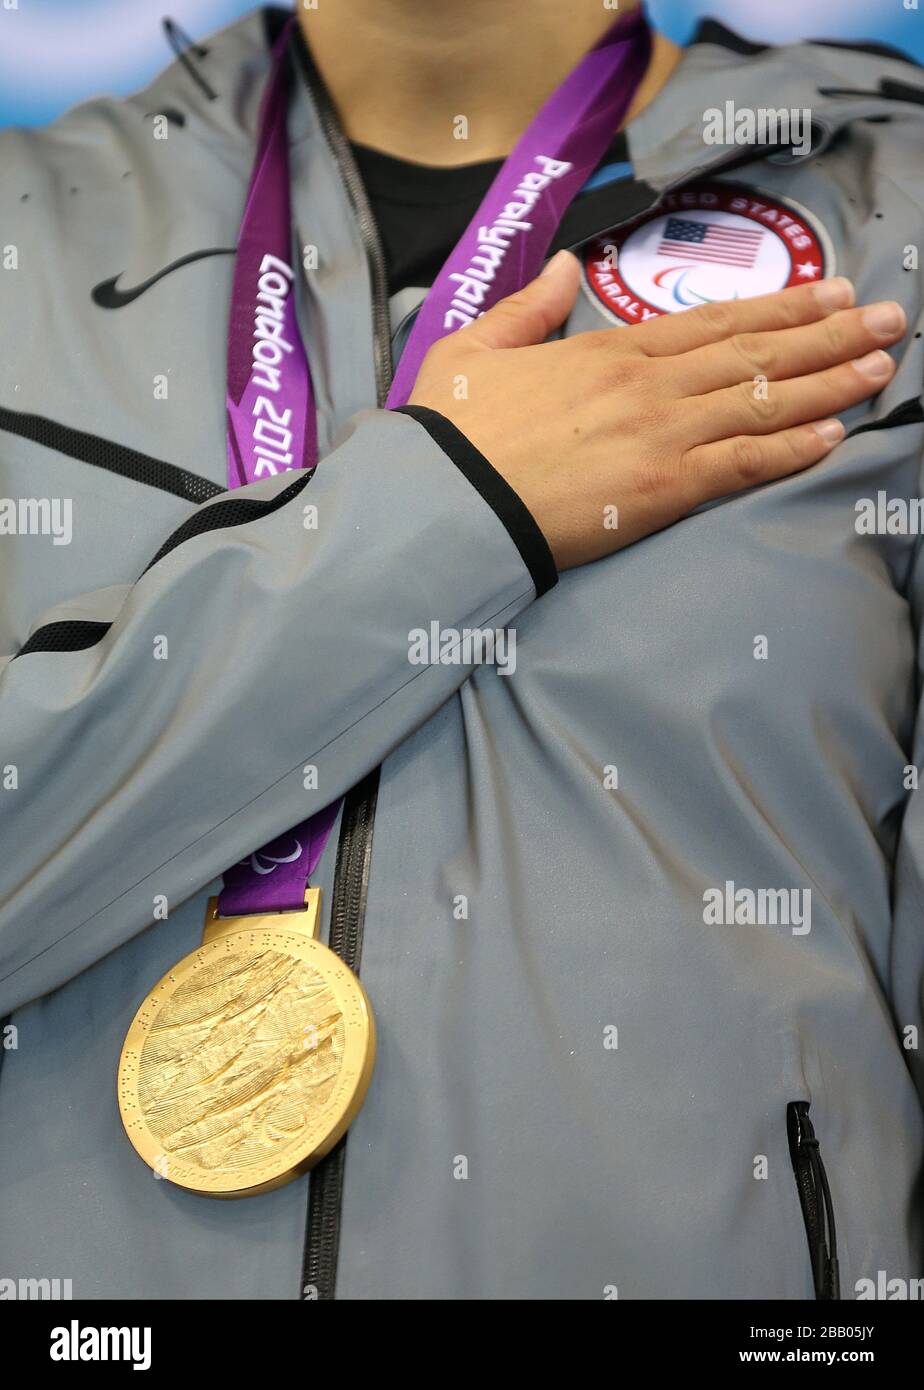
(272, 423)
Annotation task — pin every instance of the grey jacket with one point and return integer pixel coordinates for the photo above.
(585, 1070)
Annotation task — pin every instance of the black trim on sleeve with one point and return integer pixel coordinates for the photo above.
(230, 511)
(104, 453)
(77, 636)
(496, 491)
(72, 635)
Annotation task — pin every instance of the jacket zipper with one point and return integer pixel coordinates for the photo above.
(343, 158)
(351, 874)
(815, 1200)
(354, 849)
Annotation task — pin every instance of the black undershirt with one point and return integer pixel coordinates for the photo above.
(421, 210)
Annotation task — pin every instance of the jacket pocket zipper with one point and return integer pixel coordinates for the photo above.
(815, 1200)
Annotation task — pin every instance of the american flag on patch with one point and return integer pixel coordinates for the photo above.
(709, 241)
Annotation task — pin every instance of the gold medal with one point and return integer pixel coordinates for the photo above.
(250, 1058)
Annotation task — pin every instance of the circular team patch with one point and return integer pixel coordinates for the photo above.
(704, 243)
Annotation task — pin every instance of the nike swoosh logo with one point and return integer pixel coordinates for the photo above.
(107, 295)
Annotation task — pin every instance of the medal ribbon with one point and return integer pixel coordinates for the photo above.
(272, 423)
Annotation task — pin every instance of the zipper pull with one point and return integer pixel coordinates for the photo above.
(815, 1200)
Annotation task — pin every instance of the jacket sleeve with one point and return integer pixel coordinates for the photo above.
(155, 733)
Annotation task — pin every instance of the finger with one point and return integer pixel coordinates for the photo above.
(694, 328)
(731, 465)
(744, 410)
(530, 315)
(790, 352)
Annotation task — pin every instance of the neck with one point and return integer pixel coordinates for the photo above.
(402, 73)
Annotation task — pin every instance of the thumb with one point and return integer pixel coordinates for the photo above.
(530, 315)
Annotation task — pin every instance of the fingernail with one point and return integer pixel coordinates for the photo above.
(886, 319)
(556, 263)
(875, 366)
(831, 431)
(837, 293)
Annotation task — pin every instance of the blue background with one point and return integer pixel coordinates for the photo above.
(54, 53)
